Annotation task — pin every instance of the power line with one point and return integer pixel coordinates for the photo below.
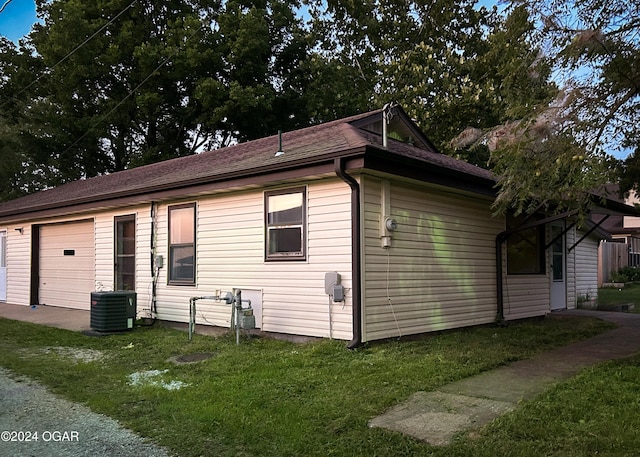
(5, 5)
(71, 52)
(131, 92)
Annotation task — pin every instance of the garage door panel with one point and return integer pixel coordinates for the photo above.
(67, 264)
(68, 299)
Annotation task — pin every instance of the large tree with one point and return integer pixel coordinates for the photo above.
(475, 81)
(111, 84)
(420, 54)
(595, 47)
(110, 88)
(154, 80)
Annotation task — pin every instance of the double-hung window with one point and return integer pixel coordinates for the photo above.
(525, 248)
(182, 244)
(285, 216)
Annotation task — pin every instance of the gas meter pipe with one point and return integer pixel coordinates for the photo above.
(192, 311)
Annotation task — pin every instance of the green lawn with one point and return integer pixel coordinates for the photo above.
(275, 398)
(610, 296)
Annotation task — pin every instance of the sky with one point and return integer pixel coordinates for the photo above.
(16, 18)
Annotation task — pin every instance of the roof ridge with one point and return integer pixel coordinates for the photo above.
(307, 146)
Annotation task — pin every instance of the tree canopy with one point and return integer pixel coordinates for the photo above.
(594, 46)
(103, 86)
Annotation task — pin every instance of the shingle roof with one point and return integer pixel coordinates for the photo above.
(304, 146)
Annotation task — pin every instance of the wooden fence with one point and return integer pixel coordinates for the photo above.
(616, 255)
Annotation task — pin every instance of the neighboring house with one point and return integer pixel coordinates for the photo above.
(409, 231)
(622, 249)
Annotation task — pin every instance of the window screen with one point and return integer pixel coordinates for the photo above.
(285, 213)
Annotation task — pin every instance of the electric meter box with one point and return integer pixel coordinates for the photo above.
(113, 311)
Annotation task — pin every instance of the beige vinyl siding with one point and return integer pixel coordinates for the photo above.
(439, 272)
(230, 254)
(528, 295)
(105, 253)
(525, 296)
(19, 257)
(19, 265)
(586, 255)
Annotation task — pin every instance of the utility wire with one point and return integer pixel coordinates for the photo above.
(131, 92)
(5, 5)
(71, 52)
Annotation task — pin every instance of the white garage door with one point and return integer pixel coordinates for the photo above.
(67, 264)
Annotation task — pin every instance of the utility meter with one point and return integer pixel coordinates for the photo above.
(390, 224)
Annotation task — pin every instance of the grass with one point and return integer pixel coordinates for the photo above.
(594, 413)
(275, 398)
(610, 296)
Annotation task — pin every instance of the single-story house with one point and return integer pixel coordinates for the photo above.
(356, 229)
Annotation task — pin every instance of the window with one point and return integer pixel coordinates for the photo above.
(182, 244)
(285, 214)
(125, 252)
(525, 248)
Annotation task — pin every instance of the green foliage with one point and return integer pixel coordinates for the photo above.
(155, 80)
(109, 85)
(456, 68)
(450, 64)
(545, 169)
(633, 273)
(626, 274)
(618, 277)
(596, 53)
(267, 397)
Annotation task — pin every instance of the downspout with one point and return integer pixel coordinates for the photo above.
(355, 251)
(500, 239)
(34, 294)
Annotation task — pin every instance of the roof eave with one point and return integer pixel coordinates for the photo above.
(604, 205)
(428, 172)
(104, 199)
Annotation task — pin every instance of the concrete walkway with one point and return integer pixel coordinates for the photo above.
(52, 316)
(435, 417)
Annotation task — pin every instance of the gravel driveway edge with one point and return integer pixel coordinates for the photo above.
(34, 421)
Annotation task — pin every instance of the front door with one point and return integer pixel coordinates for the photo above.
(3, 266)
(558, 268)
(125, 253)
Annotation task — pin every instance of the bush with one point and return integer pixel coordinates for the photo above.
(626, 274)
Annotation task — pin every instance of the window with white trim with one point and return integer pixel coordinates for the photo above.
(285, 224)
(182, 244)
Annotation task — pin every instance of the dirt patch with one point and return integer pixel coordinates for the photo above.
(155, 378)
(74, 354)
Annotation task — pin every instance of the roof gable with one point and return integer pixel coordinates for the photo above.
(400, 127)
